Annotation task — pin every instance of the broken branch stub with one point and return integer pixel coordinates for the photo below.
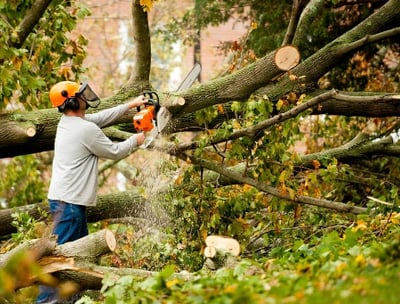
(287, 57)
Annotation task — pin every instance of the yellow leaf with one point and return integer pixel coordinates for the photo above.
(396, 218)
(247, 187)
(361, 225)
(230, 288)
(8, 280)
(292, 193)
(316, 164)
(301, 99)
(172, 282)
(279, 104)
(360, 259)
(179, 179)
(147, 4)
(204, 233)
(282, 177)
(340, 267)
(236, 124)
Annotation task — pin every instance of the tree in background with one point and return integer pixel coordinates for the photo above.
(271, 136)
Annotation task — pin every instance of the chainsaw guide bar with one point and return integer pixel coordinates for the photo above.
(153, 118)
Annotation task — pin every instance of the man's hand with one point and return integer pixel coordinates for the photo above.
(137, 102)
(139, 138)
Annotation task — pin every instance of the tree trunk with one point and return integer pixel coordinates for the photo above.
(69, 257)
(37, 249)
(116, 205)
(75, 261)
(89, 248)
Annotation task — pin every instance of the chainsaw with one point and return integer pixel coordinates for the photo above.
(144, 119)
(152, 117)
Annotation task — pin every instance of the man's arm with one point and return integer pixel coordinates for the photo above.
(101, 146)
(107, 116)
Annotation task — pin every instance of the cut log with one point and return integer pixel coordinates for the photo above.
(181, 101)
(116, 205)
(210, 252)
(36, 249)
(287, 57)
(225, 243)
(86, 249)
(71, 256)
(89, 247)
(90, 276)
(220, 252)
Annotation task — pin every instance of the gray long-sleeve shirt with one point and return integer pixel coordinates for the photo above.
(78, 146)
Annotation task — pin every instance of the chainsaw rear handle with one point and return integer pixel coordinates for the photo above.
(152, 99)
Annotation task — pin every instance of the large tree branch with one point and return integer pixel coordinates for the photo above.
(259, 75)
(31, 18)
(116, 205)
(330, 55)
(297, 8)
(142, 45)
(317, 102)
(308, 14)
(237, 86)
(364, 104)
(360, 147)
(295, 198)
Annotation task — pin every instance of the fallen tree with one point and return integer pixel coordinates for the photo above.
(116, 205)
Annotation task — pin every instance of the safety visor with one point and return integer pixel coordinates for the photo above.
(88, 95)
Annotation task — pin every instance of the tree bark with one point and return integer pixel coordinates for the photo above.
(285, 195)
(237, 86)
(75, 261)
(89, 248)
(141, 37)
(116, 205)
(30, 20)
(16, 139)
(360, 147)
(69, 257)
(361, 104)
(36, 248)
(319, 63)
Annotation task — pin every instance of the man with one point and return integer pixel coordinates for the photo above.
(79, 144)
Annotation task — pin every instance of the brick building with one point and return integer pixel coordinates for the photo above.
(108, 32)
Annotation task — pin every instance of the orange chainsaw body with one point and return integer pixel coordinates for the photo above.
(144, 119)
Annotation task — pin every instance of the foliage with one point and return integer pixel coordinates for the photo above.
(290, 253)
(48, 55)
(149, 248)
(27, 227)
(356, 261)
(21, 181)
(18, 271)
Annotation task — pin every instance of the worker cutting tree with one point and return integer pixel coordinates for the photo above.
(79, 144)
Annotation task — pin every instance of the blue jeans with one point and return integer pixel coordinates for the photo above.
(69, 225)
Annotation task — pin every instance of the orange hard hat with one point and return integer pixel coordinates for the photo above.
(63, 90)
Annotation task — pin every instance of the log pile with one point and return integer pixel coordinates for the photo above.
(72, 261)
(220, 252)
(73, 264)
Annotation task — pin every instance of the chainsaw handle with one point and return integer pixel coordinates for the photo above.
(152, 96)
(153, 100)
